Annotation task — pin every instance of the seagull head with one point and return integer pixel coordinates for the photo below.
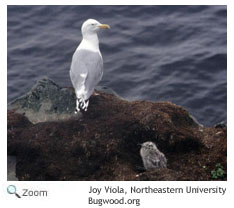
(91, 26)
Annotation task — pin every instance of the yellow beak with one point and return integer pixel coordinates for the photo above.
(104, 26)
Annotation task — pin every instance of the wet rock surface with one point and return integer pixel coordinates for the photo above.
(102, 143)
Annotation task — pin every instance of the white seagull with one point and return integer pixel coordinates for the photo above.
(87, 65)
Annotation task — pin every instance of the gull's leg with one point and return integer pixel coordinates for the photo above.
(77, 106)
(86, 105)
(82, 103)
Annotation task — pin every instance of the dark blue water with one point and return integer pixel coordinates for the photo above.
(158, 53)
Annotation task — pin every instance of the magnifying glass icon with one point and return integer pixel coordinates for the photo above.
(11, 189)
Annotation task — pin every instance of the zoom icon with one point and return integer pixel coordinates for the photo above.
(11, 189)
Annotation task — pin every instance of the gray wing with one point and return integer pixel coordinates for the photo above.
(163, 160)
(158, 159)
(155, 162)
(86, 71)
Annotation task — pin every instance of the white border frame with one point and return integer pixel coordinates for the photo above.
(76, 193)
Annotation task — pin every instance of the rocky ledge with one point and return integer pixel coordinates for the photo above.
(50, 142)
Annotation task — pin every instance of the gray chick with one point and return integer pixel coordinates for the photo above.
(152, 157)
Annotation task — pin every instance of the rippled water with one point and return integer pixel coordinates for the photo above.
(158, 53)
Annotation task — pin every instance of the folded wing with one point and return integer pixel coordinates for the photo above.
(86, 71)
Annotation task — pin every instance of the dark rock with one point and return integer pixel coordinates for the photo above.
(16, 123)
(11, 163)
(16, 120)
(46, 101)
(103, 143)
(222, 124)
